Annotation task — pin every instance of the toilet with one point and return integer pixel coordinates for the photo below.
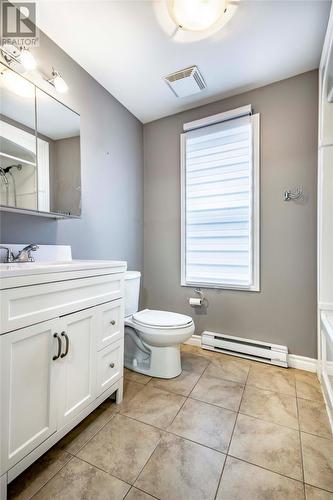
(152, 338)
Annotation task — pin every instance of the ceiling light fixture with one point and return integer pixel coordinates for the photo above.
(21, 56)
(196, 15)
(58, 82)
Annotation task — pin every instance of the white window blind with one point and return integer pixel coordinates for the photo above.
(220, 203)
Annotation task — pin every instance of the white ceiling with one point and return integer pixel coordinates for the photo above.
(128, 46)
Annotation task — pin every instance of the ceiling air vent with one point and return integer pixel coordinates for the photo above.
(186, 82)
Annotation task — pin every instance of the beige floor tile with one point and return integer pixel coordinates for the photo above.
(218, 391)
(199, 351)
(136, 494)
(271, 406)
(131, 389)
(183, 384)
(312, 493)
(272, 378)
(136, 377)
(318, 461)
(38, 474)
(191, 348)
(81, 481)
(308, 386)
(193, 362)
(82, 433)
(154, 406)
(182, 470)
(268, 445)
(204, 423)
(243, 481)
(229, 368)
(313, 418)
(122, 447)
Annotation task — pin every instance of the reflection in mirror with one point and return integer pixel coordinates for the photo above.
(39, 149)
(18, 159)
(58, 151)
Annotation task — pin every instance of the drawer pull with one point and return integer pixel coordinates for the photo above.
(111, 365)
(59, 347)
(64, 334)
(112, 322)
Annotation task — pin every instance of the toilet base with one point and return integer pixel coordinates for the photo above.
(161, 362)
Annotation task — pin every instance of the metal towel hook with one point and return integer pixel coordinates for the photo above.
(289, 194)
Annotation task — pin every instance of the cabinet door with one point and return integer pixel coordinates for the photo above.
(28, 390)
(77, 363)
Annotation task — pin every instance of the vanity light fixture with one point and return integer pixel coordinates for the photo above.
(196, 15)
(58, 82)
(28, 60)
(22, 56)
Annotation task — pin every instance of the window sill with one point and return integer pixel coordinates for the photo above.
(236, 288)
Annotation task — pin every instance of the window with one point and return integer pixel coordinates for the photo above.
(220, 201)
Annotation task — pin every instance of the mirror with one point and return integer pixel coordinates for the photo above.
(39, 150)
(58, 152)
(18, 155)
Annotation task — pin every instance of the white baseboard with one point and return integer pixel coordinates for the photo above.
(294, 361)
(302, 363)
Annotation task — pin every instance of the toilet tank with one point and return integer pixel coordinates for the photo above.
(132, 289)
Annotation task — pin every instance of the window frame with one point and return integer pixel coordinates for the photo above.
(255, 205)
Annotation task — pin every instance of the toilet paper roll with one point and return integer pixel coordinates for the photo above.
(195, 302)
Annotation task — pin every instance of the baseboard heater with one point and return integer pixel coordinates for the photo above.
(245, 348)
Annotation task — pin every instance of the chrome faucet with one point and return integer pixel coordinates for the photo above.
(23, 255)
(9, 255)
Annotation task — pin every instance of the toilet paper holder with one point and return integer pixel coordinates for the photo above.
(197, 302)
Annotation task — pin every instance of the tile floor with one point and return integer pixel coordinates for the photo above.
(225, 429)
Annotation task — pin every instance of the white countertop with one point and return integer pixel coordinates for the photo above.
(33, 268)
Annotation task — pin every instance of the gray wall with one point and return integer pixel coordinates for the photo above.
(112, 173)
(284, 310)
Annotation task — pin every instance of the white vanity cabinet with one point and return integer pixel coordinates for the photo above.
(61, 355)
(28, 390)
(77, 370)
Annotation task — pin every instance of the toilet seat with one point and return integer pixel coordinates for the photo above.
(161, 319)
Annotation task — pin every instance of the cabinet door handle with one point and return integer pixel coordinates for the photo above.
(64, 334)
(55, 335)
(112, 322)
(111, 365)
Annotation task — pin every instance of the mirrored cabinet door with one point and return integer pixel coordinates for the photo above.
(18, 154)
(58, 153)
(40, 167)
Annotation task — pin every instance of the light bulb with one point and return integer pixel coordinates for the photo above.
(59, 83)
(196, 15)
(15, 83)
(27, 60)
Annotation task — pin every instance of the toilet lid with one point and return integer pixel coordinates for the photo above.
(161, 318)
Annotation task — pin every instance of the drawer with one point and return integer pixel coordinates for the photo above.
(109, 366)
(25, 306)
(111, 323)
